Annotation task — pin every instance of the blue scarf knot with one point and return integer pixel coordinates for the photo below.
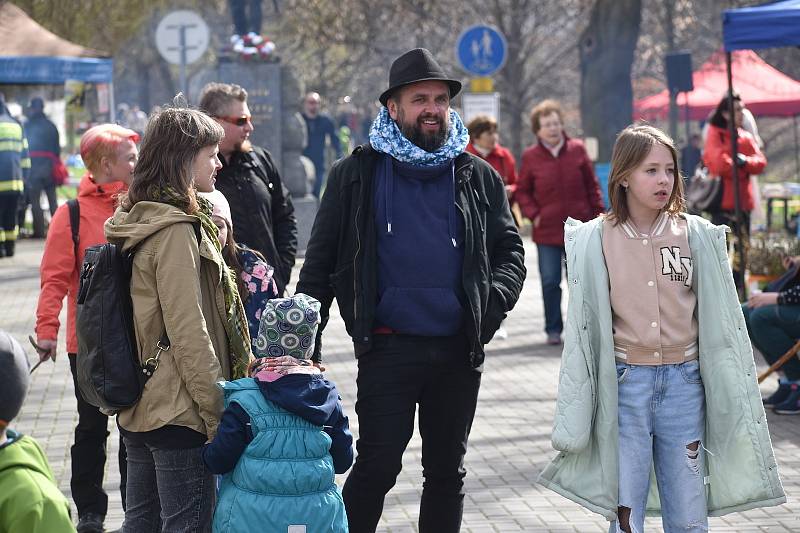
(386, 137)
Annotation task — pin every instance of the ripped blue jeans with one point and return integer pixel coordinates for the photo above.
(662, 426)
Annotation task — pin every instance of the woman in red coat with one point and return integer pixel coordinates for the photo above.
(556, 181)
(483, 142)
(750, 161)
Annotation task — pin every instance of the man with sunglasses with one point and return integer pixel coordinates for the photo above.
(261, 207)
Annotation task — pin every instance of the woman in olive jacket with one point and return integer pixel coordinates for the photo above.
(181, 288)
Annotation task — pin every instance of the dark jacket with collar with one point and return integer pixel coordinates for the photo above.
(261, 209)
(341, 256)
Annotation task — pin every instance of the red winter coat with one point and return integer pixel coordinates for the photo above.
(717, 157)
(59, 267)
(554, 188)
(502, 161)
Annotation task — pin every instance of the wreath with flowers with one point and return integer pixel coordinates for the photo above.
(252, 47)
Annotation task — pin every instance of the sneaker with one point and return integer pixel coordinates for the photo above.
(779, 396)
(791, 405)
(91, 523)
(553, 339)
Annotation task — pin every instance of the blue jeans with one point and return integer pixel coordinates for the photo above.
(167, 490)
(551, 258)
(661, 418)
(773, 329)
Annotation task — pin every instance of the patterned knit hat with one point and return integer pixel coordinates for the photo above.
(14, 378)
(288, 327)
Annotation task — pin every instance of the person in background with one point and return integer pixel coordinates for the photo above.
(773, 323)
(254, 276)
(320, 126)
(15, 166)
(261, 207)
(557, 181)
(109, 152)
(749, 161)
(29, 497)
(45, 152)
(283, 434)
(484, 141)
(691, 156)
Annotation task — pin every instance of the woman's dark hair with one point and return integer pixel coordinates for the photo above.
(171, 141)
(717, 119)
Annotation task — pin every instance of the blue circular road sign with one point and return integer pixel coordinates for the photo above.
(481, 50)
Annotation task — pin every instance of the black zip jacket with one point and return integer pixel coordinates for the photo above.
(261, 209)
(341, 257)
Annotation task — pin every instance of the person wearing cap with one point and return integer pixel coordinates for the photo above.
(110, 154)
(45, 152)
(261, 207)
(29, 498)
(283, 434)
(415, 240)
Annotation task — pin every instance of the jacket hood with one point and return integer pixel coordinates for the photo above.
(129, 228)
(311, 397)
(19, 452)
(87, 187)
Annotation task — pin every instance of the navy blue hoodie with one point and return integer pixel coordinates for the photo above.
(311, 397)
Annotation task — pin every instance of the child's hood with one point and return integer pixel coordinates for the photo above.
(309, 396)
(21, 452)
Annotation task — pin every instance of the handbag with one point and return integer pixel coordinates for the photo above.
(704, 191)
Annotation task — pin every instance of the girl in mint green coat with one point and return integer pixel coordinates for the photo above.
(658, 408)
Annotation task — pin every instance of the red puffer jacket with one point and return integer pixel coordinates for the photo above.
(717, 157)
(554, 188)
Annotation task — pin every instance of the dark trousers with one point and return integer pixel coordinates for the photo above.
(729, 218)
(168, 490)
(244, 22)
(551, 260)
(399, 373)
(774, 329)
(89, 456)
(8, 222)
(34, 192)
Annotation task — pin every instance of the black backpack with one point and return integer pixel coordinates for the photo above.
(109, 374)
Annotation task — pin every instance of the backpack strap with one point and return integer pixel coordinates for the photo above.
(75, 223)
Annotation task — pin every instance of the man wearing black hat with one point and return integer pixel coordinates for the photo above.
(415, 240)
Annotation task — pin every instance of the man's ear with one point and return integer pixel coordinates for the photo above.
(392, 106)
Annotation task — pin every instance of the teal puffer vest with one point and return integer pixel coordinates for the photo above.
(285, 476)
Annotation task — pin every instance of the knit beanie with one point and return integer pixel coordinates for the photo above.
(288, 327)
(14, 378)
(219, 205)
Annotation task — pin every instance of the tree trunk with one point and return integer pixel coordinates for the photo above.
(606, 55)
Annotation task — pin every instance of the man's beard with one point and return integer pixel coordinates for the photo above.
(430, 142)
(244, 146)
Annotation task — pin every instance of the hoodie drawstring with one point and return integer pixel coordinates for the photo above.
(451, 212)
(389, 173)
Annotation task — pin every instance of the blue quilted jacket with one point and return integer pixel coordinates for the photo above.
(285, 477)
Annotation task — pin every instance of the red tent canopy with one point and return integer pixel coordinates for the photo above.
(765, 90)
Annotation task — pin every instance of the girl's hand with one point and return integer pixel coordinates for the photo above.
(761, 299)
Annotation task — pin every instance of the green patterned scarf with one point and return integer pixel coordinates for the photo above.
(235, 321)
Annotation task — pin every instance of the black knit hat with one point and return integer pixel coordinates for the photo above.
(413, 66)
(13, 377)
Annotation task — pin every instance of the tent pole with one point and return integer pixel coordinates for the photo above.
(735, 174)
(796, 152)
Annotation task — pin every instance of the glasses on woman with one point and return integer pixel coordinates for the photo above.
(237, 121)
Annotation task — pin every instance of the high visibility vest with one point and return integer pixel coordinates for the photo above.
(14, 160)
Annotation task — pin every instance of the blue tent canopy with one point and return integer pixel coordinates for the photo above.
(770, 25)
(36, 69)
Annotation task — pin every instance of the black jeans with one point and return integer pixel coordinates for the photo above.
(89, 456)
(400, 372)
(168, 490)
(729, 218)
(8, 222)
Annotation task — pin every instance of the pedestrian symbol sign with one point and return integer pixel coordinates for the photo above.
(481, 50)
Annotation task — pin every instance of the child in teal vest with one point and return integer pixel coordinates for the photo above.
(283, 434)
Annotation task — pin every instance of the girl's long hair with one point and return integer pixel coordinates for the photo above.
(172, 140)
(632, 147)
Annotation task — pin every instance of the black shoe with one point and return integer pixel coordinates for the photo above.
(791, 405)
(779, 396)
(9, 248)
(91, 523)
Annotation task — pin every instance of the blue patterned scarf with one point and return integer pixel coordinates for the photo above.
(385, 137)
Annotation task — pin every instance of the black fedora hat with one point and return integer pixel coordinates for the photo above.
(413, 66)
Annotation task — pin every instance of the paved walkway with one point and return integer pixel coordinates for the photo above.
(509, 446)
